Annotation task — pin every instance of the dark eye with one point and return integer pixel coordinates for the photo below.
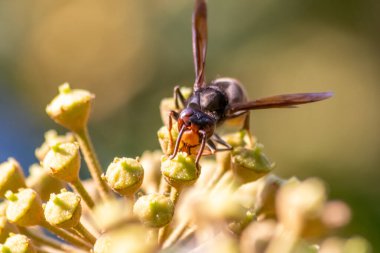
(186, 115)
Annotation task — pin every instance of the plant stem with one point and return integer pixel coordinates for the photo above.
(224, 164)
(153, 235)
(164, 187)
(85, 233)
(78, 186)
(176, 234)
(66, 236)
(43, 240)
(92, 162)
(174, 195)
(163, 232)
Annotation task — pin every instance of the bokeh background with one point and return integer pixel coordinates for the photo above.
(131, 54)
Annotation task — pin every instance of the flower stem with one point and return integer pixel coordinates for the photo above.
(92, 162)
(176, 234)
(153, 235)
(66, 236)
(224, 164)
(164, 187)
(43, 240)
(163, 232)
(78, 186)
(85, 233)
(174, 195)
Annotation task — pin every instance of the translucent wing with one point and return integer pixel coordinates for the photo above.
(199, 30)
(280, 101)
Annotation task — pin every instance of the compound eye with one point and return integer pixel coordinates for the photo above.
(185, 116)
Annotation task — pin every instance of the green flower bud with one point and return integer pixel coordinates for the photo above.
(236, 139)
(11, 176)
(250, 164)
(124, 175)
(63, 161)
(168, 104)
(71, 108)
(164, 138)
(24, 208)
(154, 210)
(42, 182)
(63, 210)
(18, 243)
(180, 171)
(51, 137)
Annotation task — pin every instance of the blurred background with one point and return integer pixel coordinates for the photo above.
(132, 53)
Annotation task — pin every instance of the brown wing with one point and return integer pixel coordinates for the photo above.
(199, 30)
(280, 101)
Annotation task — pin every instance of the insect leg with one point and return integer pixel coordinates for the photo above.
(211, 145)
(247, 129)
(203, 143)
(219, 140)
(175, 115)
(178, 96)
(177, 143)
(246, 126)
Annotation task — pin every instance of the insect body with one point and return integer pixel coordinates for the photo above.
(222, 100)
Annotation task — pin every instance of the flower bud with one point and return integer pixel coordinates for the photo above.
(266, 195)
(51, 137)
(298, 202)
(357, 244)
(24, 208)
(63, 161)
(256, 236)
(112, 213)
(164, 138)
(334, 214)
(154, 210)
(168, 104)
(11, 176)
(17, 243)
(124, 175)
(250, 164)
(71, 108)
(351, 245)
(5, 226)
(130, 238)
(63, 210)
(180, 171)
(151, 162)
(42, 182)
(236, 139)
(219, 206)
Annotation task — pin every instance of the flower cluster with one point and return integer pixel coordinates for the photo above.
(230, 203)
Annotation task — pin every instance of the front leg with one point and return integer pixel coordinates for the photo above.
(203, 143)
(175, 115)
